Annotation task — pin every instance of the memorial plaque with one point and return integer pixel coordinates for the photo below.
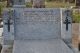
(37, 23)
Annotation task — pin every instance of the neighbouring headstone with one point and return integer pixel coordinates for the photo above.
(78, 3)
(38, 3)
(28, 0)
(9, 3)
(19, 3)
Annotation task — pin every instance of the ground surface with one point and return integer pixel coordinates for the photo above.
(41, 46)
(75, 33)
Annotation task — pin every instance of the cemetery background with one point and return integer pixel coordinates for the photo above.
(48, 5)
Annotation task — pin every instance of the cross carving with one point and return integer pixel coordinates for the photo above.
(8, 25)
(67, 22)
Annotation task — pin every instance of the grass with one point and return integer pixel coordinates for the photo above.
(58, 5)
(53, 4)
(76, 15)
(76, 18)
(28, 4)
(2, 5)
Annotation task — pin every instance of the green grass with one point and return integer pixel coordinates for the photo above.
(28, 4)
(2, 5)
(53, 5)
(76, 18)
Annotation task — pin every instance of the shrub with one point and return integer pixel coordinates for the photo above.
(76, 18)
(28, 4)
(0, 10)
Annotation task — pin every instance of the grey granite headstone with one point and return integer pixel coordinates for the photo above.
(37, 23)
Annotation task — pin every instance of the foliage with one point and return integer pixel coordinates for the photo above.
(29, 4)
(2, 5)
(48, 0)
(0, 9)
(58, 5)
(76, 18)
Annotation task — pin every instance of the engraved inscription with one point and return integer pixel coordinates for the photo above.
(37, 16)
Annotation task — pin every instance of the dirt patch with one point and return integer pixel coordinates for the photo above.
(75, 35)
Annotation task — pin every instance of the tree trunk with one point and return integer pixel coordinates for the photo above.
(39, 3)
(8, 3)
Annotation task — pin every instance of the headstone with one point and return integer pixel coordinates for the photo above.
(19, 3)
(37, 23)
(9, 3)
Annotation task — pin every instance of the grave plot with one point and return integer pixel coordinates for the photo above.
(38, 31)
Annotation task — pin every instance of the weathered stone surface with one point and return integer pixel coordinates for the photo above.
(66, 34)
(41, 46)
(37, 24)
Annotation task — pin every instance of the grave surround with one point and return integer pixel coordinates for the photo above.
(36, 30)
